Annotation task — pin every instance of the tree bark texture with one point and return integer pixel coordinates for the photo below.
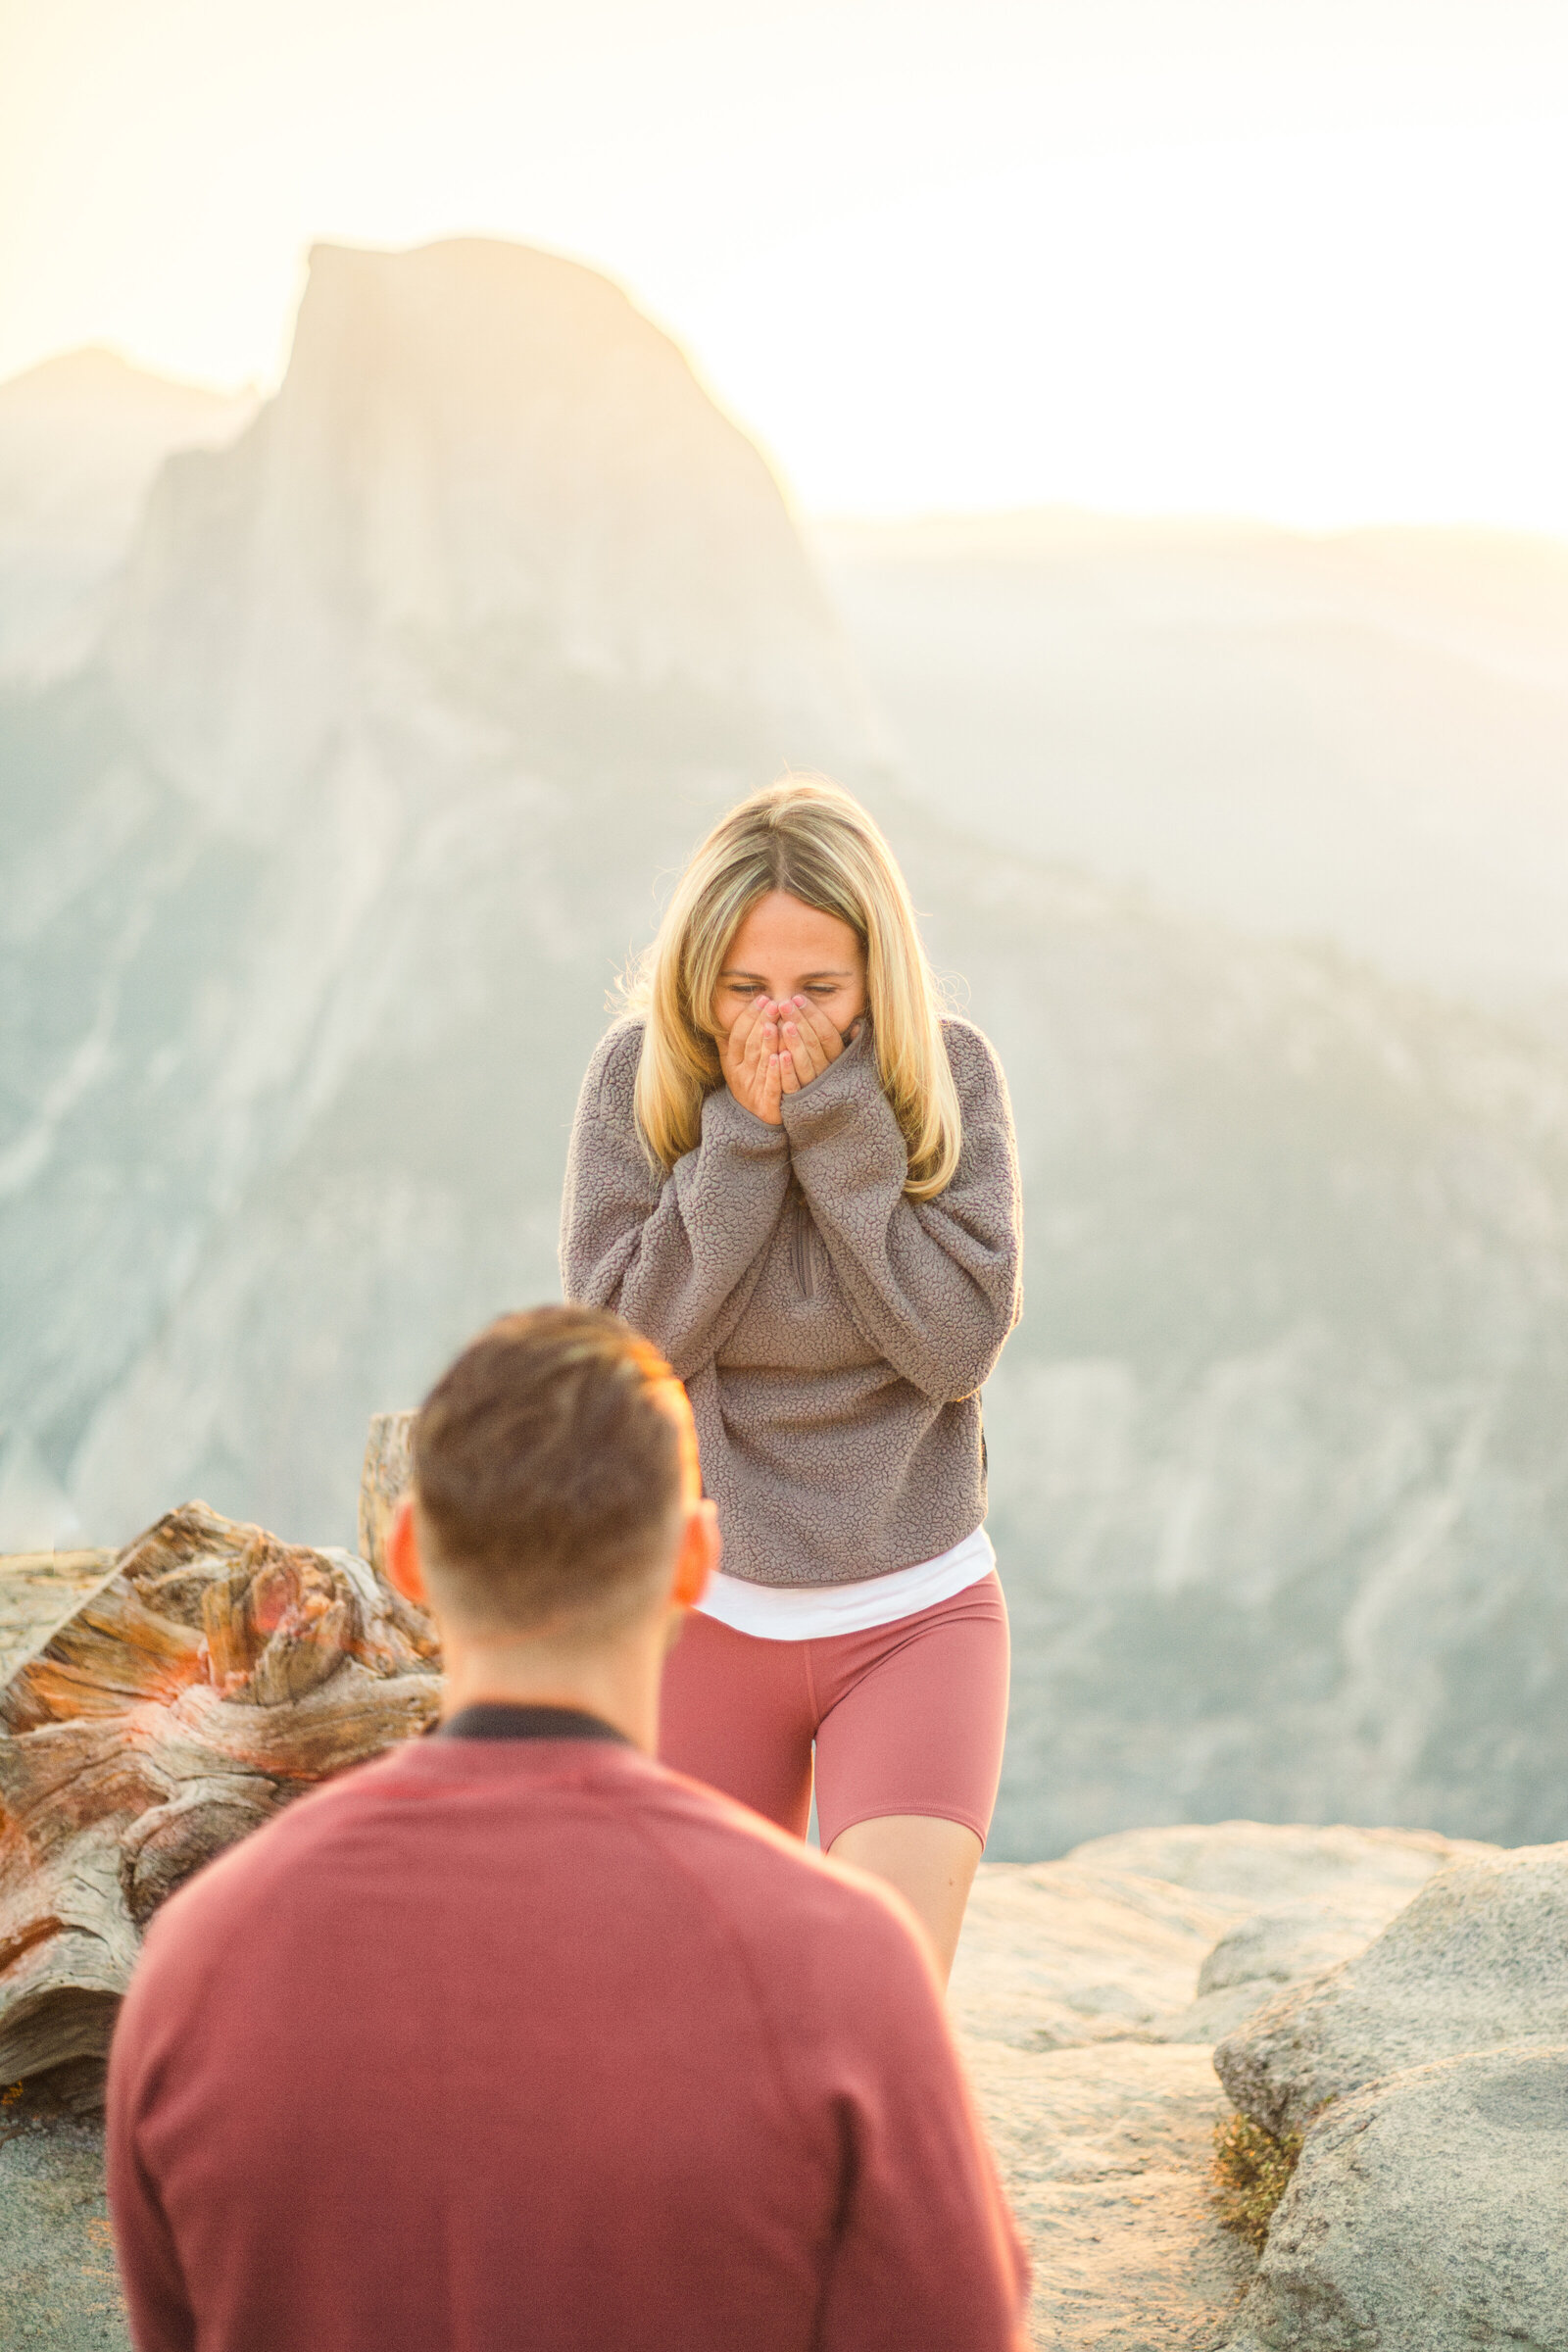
(387, 1473)
(211, 1675)
(36, 1590)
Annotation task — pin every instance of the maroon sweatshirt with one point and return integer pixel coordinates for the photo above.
(523, 2043)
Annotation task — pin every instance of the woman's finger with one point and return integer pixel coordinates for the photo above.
(739, 1028)
(760, 1041)
(825, 1043)
(824, 1031)
(760, 1063)
(742, 1031)
(805, 1062)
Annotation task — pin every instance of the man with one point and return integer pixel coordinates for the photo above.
(513, 2039)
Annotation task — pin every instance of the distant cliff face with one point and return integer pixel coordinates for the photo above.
(316, 878)
(322, 871)
(81, 438)
(489, 483)
(1278, 1488)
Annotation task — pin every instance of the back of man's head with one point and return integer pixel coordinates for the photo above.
(550, 1463)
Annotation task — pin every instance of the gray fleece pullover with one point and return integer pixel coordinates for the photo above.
(832, 1333)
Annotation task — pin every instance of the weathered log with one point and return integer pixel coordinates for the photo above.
(214, 1674)
(385, 1476)
(36, 1590)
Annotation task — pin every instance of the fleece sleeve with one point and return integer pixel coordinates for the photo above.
(162, 2319)
(678, 1256)
(935, 1285)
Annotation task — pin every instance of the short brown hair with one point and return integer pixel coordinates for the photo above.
(547, 1468)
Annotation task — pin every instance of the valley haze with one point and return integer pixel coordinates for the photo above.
(347, 744)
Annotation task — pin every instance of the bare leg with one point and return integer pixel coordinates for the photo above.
(930, 1861)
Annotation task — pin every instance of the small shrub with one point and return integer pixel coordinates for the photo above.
(1251, 2170)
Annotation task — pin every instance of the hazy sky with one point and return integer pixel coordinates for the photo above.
(1304, 261)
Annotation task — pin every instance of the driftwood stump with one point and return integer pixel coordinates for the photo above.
(36, 1590)
(214, 1674)
(388, 1470)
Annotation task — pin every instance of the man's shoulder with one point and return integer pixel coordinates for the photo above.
(785, 1900)
(798, 1919)
(242, 1883)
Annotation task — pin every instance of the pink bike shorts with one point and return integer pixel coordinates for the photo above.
(905, 1718)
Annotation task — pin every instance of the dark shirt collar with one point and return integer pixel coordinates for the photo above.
(493, 1719)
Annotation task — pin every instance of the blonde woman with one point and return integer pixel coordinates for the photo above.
(798, 1178)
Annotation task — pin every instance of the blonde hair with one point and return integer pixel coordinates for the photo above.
(806, 837)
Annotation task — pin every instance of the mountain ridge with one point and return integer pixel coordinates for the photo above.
(81, 436)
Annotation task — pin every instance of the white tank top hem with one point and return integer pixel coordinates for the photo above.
(816, 1612)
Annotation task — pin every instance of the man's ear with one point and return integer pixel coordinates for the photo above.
(698, 1555)
(403, 1567)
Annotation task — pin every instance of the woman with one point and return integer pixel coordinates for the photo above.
(798, 1178)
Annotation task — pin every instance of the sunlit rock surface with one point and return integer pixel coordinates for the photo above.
(58, 2284)
(1429, 2074)
(1476, 1961)
(1425, 2216)
(1074, 1995)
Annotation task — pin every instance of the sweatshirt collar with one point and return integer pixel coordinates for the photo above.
(496, 1719)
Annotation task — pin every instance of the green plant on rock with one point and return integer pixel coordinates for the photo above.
(1251, 2170)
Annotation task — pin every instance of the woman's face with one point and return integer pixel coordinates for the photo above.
(781, 949)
